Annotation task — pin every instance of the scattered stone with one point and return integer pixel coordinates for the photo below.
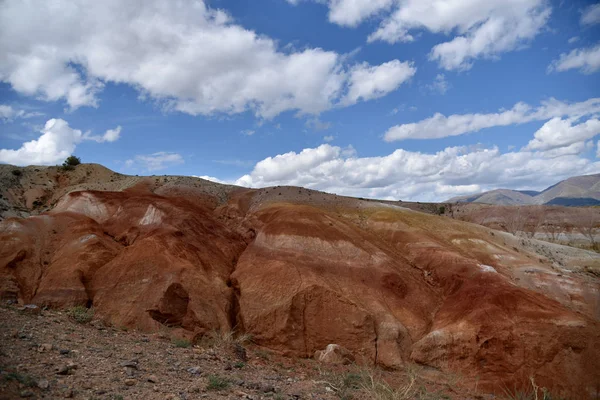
(68, 393)
(334, 354)
(194, 370)
(43, 384)
(66, 369)
(267, 389)
(26, 393)
(130, 364)
(152, 379)
(44, 347)
(64, 352)
(130, 382)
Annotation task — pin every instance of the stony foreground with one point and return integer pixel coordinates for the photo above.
(46, 354)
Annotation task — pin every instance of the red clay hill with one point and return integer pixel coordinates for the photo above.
(301, 269)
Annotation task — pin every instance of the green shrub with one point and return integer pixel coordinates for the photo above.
(81, 314)
(16, 172)
(70, 163)
(216, 382)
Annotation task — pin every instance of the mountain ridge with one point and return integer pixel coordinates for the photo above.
(581, 190)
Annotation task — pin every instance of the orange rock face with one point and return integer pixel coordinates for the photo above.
(303, 270)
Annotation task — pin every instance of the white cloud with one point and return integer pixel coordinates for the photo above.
(591, 15)
(352, 12)
(440, 84)
(562, 133)
(211, 178)
(329, 138)
(57, 142)
(370, 82)
(574, 39)
(416, 176)
(8, 113)
(587, 60)
(483, 28)
(189, 57)
(155, 161)
(248, 132)
(479, 28)
(317, 125)
(439, 126)
(110, 135)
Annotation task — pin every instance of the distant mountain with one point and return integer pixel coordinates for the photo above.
(577, 191)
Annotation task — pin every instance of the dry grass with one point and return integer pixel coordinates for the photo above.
(370, 384)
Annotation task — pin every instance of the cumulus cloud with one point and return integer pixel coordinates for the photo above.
(562, 133)
(479, 28)
(368, 82)
(185, 55)
(439, 125)
(110, 135)
(57, 142)
(352, 12)
(155, 161)
(328, 138)
(414, 175)
(248, 132)
(587, 60)
(591, 15)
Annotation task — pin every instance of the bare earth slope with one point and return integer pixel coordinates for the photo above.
(300, 269)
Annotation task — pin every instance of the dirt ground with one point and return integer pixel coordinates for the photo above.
(45, 354)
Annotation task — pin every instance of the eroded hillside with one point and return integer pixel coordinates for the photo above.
(301, 269)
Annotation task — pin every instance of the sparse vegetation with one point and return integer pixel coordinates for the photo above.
(216, 382)
(534, 392)
(181, 343)
(23, 379)
(262, 354)
(81, 314)
(17, 172)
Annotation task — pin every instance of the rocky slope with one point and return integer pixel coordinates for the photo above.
(300, 269)
(575, 191)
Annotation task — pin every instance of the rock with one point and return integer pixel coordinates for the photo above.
(194, 370)
(152, 379)
(66, 369)
(130, 382)
(334, 354)
(26, 393)
(267, 388)
(64, 352)
(43, 384)
(68, 393)
(44, 347)
(130, 364)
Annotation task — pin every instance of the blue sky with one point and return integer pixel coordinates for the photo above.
(399, 99)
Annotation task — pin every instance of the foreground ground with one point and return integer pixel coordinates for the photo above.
(46, 354)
